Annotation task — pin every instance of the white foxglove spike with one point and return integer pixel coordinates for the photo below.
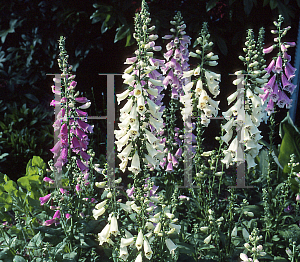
(122, 96)
(139, 240)
(135, 164)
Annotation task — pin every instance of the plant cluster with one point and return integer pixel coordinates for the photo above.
(178, 205)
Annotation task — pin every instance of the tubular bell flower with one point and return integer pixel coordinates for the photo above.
(282, 70)
(249, 115)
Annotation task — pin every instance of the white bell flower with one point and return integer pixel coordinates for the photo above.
(114, 226)
(123, 141)
(139, 240)
(127, 107)
(135, 164)
(139, 258)
(104, 235)
(101, 204)
(122, 96)
(171, 246)
(98, 212)
(147, 249)
(123, 253)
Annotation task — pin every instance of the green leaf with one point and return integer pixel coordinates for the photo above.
(19, 259)
(11, 187)
(248, 5)
(273, 4)
(211, 4)
(222, 45)
(24, 182)
(121, 32)
(32, 97)
(290, 144)
(39, 162)
(36, 241)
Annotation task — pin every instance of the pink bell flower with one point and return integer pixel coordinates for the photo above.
(45, 199)
(270, 67)
(289, 71)
(268, 49)
(278, 65)
(270, 85)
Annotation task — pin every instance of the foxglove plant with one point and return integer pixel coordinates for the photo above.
(206, 81)
(248, 108)
(177, 57)
(280, 70)
(74, 202)
(141, 121)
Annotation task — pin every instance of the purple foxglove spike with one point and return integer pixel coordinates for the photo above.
(167, 37)
(64, 143)
(82, 100)
(268, 50)
(54, 103)
(174, 94)
(175, 161)
(178, 141)
(286, 56)
(270, 66)
(177, 54)
(86, 127)
(176, 129)
(85, 156)
(292, 44)
(270, 107)
(44, 199)
(64, 154)
(275, 95)
(81, 135)
(54, 91)
(63, 100)
(83, 168)
(278, 65)
(49, 222)
(185, 39)
(178, 152)
(130, 192)
(285, 82)
(75, 145)
(176, 40)
(63, 191)
(169, 157)
(130, 60)
(269, 86)
(162, 164)
(77, 188)
(80, 112)
(64, 131)
(56, 149)
(169, 167)
(283, 48)
(56, 215)
(68, 216)
(73, 85)
(289, 71)
(48, 180)
(84, 144)
(291, 88)
(168, 54)
(93, 200)
(86, 176)
(282, 100)
(153, 190)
